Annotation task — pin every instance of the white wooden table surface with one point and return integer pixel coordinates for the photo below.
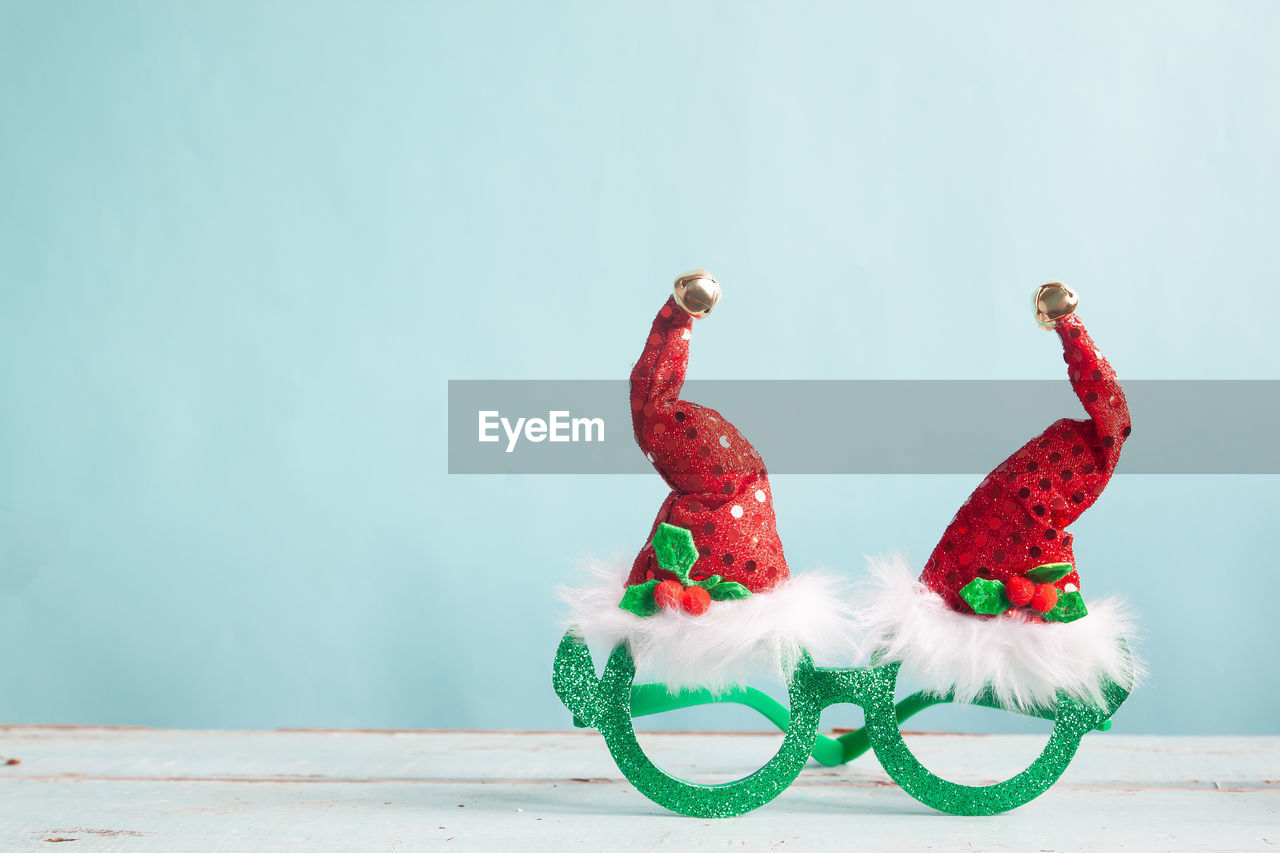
(126, 789)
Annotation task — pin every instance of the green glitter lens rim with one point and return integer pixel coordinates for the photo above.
(609, 703)
(1072, 721)
(604, 704)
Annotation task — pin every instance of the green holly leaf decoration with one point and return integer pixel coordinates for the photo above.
(728, 590)
(1049, 572)
(985, 596)
(674, 548)
(1069, 608)
(638, 599)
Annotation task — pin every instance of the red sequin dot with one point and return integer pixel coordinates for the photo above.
(749, 566)
(965, 559)
(665, 311)
(1038, 509)
(1034, 550)
(655, 339)
(691, 433)
(680, 416)
(1051, 534)
(709, 528)
(1033, 465)
(993, 523)
(1077, 497)
(1097, 374)
(727, 559)
(1024, 492)
(1045, 483)
(1066, 475)
(1055, 457)
(1125, 432)
(1077, 450)
(704, 452)
(998, 555)
(717, 470)
(1075, 333)
(1108, 440)
(1091, 397)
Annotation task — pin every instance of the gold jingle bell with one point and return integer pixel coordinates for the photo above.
(1053, 301)
(697, 293)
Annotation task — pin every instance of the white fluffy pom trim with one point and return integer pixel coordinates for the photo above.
(1023, 661)
(733, 641)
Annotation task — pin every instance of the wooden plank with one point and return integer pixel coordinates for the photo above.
(1103, 760)
(157, 790)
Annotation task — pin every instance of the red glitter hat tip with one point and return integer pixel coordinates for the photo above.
(719, 487)
(1016, 519)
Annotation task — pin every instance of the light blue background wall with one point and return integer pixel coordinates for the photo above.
(243, 247)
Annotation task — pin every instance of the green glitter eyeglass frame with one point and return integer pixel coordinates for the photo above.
(609, 703)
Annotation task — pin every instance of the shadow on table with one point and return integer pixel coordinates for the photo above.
(617, 799)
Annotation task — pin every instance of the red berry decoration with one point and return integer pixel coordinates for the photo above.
(668, 594)
(1045, 598)
(1019, 591)
(696, 600)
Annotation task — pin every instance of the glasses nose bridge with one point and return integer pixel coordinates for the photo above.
(828, 686)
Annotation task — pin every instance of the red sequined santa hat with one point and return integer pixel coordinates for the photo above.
(709, 600)
(719, 485)
(1008, 546)
(998, 606)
